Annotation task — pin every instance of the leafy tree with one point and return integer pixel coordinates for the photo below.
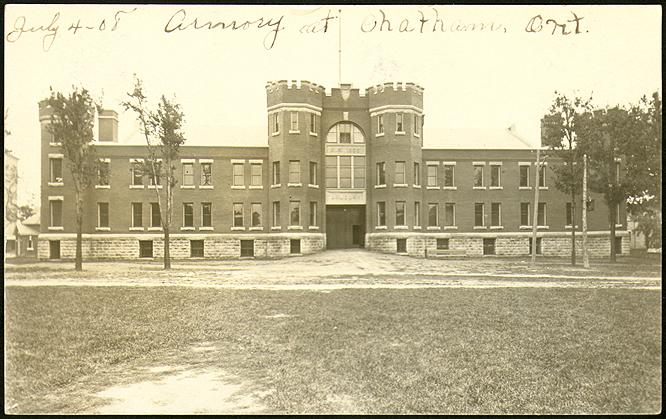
(649, 224)
(25, 212)
(161, 128)
(11, 180)
(603, 134)
(559, 134)
(72, 120)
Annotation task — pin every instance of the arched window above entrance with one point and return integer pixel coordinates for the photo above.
(345, 133)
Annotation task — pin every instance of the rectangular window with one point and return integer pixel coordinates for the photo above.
(313, 213)
(256, 214)
(294, 171)
(331, 172)
(401, 245)
(524, 176)
(416, 124)
(31, 243)
(449, 175)
(538, 246)
(417, 214)
(155, 220)
(103, 173)
(345, 171)
(380, 124)
(495, 175)
(417, 173)
(276, 213)
(276, 173)
(345, 133)
(137, 173)
(478, 215)
(137, 214)
(541, 214)
(542, 177)
(569, 214)
(293, 121)
(256, 174)
(206, 214)
(55, 165)
(431, 179)
(102, 214)
(433, 217)
(154, 179)
(400, 213)
(478, 176)
(295, 246)
(398, 122)
(145, 248)
(276, 122)
(442, 244)
(400, 173)
(381, 213)
(56, 213)
(525, 214)
(54, 249)
(238, 174)
(188, 214)
(247, 248)
(238, 214)
(313, 123)
(488, 246)
(359, 171)
(495, 214)
(206, 174)
(449, 214)
(196, 248)
(294, 213)
(313, 173)
(188, 174)
(381, 173)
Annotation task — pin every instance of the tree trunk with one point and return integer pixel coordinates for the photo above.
(573, 229)
(78, 260)
(613, 217)
(167, 257)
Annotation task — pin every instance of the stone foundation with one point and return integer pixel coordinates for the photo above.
(220, 246)
(506, 244)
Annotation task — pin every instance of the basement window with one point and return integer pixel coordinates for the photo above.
(196, 248)
(402, 245)
(295, 246)
(145, 248)
(247, 248)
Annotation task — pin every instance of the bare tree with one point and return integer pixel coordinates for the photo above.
(161, 129)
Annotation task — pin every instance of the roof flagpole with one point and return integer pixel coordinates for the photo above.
(339, 46)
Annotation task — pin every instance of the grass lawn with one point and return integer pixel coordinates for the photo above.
(503, 350)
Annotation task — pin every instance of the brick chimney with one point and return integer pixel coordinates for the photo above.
(108, 126)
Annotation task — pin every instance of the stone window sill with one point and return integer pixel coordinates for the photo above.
(496, 227)
(400, 133)
(480, 227)
(136, 186)
(417, 227)
(294, 132)
(56, 184)
(186, 186)
(568, 227)
(276, 228)
(400, 227)
(56, 228)
(158, 187)
(380, 186)
(55, 144)
(450, 227)
(294, 227)
(478, 187)
(381, 134)
(313, 228)
(187, 229)
(524, 188)
(237, 187)
(154, 228)
(314, 134)
(380, 227)
(543, 188)
(205, 228)
(206, 187)
(543, 227)
(450, 188)
(496, 187)
(237, 228)
(399, 185)
(102, 186)
(432, 187)
(136, 229)
(417, 186)
(275, 134)
(294, 185)
(102, 229)
(256, 228)
(417, 135)
(276, 186)
(525, 227)
(313, 186)
(433, 228)
(256, 187)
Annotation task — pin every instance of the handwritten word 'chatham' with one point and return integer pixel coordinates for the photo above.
(179, 21)
(425, 23)
(50, 31)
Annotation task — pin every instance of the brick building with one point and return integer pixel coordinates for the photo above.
(344, 168)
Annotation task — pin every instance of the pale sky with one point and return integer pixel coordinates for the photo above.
(472, 79)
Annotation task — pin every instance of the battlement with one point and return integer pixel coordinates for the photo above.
(302, 85)
(394, 87)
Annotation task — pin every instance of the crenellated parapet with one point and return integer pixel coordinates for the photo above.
(395, 93)
(293, 91)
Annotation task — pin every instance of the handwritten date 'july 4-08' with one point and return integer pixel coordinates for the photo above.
(51, 30)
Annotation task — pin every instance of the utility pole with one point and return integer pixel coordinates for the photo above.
(535, 211)
(586, 260)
